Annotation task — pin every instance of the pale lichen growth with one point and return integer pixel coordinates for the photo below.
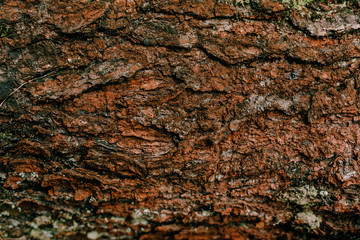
(301, 195)
(296, 4)
(235, 2)
(310, 219)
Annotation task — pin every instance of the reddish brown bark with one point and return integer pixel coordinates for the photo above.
(179, 119)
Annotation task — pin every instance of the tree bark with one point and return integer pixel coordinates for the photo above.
(197, 119)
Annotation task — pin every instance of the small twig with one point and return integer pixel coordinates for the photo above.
(19, 87)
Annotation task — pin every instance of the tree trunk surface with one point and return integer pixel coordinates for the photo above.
(179, 119)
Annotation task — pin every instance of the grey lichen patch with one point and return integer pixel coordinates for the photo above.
(338, 20)
(4, 214)
(297, 4)
(31, 177)
(235, 2)
(139, 221)
(93, 235)
(43, 220)
(310, 219)
(141, 216)
(204, 214)
(301, 195)
(294, 4)
(259, 103)
(41, 234)
(118, 219)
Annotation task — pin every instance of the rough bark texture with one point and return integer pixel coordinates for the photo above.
(179, 119)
